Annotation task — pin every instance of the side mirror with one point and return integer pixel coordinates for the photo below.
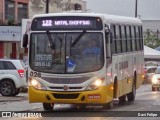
(25, 40)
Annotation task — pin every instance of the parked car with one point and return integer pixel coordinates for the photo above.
(12, 77)
(149, 72)
(156, 80)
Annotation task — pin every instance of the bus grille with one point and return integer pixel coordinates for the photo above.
(65, 96)
(62, 88)
(66, 80)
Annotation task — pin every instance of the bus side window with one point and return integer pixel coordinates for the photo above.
(133, 39)
(137, 38)
(118, 39)
(113, 43)
(140, 37)
(129, 47)
(136, 47)
(123, 37)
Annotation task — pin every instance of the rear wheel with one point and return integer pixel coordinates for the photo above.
(131, 95)
(122, 99)
(7, 88)
(48, 106)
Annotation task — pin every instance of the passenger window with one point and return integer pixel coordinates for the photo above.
(133, 39)
(113, 44)
(1, 65)
(118, 39)
(9, 65)
(137, 39)
(124, 40)
(129, 44)
(140, 37)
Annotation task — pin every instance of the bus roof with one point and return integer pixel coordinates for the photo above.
(108, 18)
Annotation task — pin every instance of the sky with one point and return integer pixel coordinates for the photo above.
(147, 9)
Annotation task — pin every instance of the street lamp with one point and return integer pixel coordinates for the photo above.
(47, 6)
(136, 3)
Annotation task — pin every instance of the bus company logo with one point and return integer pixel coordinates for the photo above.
(65, 87)
(6, 114)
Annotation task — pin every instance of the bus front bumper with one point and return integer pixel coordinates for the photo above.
(99, 96)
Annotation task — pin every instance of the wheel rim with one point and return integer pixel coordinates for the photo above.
(6, 88)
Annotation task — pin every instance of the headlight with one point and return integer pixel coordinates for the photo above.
(96, 84)
(154, 80)
(36, 84)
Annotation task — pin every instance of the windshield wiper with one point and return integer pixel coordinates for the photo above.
(52, 45)
(78, 38)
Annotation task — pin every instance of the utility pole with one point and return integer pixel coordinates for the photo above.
(136, 3)
(47, 6)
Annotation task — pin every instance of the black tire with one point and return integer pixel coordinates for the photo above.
(108, 105)
(48, 106)
(131, 96)
(17, 91)
(122, 100)
(7, 88)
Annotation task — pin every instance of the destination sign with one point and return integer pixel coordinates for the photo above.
(50, 23)
(66, 23)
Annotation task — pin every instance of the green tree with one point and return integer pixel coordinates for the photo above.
(11, 22)
(38, 5)
(151, 40)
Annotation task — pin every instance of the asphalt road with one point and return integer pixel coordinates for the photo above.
(145, 107)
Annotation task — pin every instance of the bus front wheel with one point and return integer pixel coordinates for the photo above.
(48, 106)
(108, 105)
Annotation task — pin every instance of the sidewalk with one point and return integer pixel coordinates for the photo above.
(20, 106)
(18, 103)
(19, 97)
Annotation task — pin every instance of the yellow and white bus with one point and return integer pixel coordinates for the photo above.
(60, 72)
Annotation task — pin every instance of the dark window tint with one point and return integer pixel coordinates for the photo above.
(118, 39)
(136, 47)
(113, 36)
(133, 39)
(123, 36)
(9, 9)
(129, 44)
(1, 65)
(137, 39)
(151, 70)
(9, 65)
(140, 37)
(22, 11)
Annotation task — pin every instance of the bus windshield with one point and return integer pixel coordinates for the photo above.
(86, 55)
